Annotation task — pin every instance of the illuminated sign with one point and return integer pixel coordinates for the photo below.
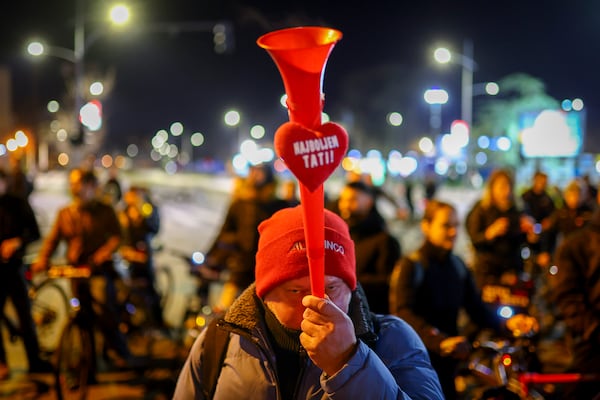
(551, 133)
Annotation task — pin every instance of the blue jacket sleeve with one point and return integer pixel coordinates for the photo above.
(398, 368)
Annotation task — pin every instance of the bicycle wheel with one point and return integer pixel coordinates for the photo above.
(74, 362)
(50, 313)
(163, 284)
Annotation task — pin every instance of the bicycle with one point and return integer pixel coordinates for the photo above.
(504, 368)
(75, 362)
(198, 297)
(510, 367)
(49, 311)
(74, 355)
(132, 297)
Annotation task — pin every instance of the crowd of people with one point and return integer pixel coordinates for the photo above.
(101, 224)
(390, 321)
(510, 234)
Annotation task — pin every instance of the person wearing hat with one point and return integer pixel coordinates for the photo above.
(284, 343)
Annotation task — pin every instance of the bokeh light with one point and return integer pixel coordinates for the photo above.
(197, 139)
(176, 128)
(53, 106)
(132, 150)
(394, 119)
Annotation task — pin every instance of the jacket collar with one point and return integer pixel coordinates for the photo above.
(245, 312)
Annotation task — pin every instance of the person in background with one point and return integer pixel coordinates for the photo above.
(112, 190)
(234, 247)
(574, 214)
(590, 191)
(540, 206)
(18, 228)
(19, 183)
(140, 222)
(289, 192)
(408, 195)
(431, 286)
(92, 233)
(575, 289)
(285, 343)
(430, 187)
(498, 230)
(377, 250)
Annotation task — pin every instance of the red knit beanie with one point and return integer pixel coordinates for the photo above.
(281, 254)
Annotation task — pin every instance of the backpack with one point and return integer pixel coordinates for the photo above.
(213, 355)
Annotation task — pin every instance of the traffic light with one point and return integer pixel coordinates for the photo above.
(223, 37)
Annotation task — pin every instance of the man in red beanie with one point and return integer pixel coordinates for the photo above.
(284, 343)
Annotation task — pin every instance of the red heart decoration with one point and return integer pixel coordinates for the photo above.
(311, 155)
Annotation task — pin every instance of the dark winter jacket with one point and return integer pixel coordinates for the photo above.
(86, 228)
(377, 251)
(576, 285)
(501, 254)
(235, 247)
(429, 288)
(567, 220)
(17, 220)
(540, 206)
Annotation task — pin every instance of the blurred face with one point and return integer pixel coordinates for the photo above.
(75, 182)
(539, 183)
(285, 300)
(442, 229)
(256, 177)
(132, 198)
(502, 193)
(80, 190)
(354, 203)
(572, 198)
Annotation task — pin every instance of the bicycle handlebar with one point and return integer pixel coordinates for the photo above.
(69, 271)
(565, 377)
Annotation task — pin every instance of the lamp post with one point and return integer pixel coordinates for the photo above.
(465, 60)
(435, 98)
(119, 15)
(233, 119)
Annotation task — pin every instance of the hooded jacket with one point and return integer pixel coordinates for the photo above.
(396, 366)
(17, 219)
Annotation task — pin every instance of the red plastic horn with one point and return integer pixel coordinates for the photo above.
(300, 55)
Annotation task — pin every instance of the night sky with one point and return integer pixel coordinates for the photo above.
(163, 77)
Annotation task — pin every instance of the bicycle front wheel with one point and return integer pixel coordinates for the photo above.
(74, 363)
(50, 313)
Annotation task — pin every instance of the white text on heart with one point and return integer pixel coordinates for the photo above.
(317, 152)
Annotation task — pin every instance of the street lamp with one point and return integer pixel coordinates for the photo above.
(444, 56)
(435, 98)
(233, 119)
(119, 15)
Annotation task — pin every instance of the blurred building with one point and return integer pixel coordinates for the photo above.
(5, 101)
